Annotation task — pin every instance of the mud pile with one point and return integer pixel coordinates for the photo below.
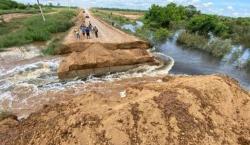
(98, 60)
(80, 46)
(149, 111)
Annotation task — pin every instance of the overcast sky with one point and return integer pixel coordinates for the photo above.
(233, 8)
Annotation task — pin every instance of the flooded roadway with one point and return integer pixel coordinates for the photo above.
(28, 80)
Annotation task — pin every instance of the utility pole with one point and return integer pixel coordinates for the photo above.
(41, 10)
(69, 4)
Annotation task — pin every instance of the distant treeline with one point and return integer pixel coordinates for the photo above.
(119, 9)
(10, 4)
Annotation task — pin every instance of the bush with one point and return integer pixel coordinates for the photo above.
(163, 16)
(52, 47)
(204, 24)
(192, 41)
(219, 47)
(216, 47)
(161, 35)
(247, 65)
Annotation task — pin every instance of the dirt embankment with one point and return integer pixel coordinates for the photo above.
(99, 60)
(155, 111)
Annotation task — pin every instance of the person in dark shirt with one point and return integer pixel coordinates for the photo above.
(87, 30)
(95, 29)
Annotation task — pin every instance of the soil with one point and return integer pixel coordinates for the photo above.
(129, 16)
(97, 57)
(9, 17)
(208, 110)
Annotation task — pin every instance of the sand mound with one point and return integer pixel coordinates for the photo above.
(79, 46)
(207, 110)
(91, 60)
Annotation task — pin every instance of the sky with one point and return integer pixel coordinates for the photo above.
(234, 8)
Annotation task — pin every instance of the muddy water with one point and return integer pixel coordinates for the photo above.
(29, 80)
(193, 62)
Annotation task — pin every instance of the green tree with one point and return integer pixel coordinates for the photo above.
(203, 24)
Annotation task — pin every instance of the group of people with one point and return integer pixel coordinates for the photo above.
(86, 31)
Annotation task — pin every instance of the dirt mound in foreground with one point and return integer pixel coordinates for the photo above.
(207, 110)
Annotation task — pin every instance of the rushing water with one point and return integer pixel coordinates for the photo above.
(132, 27)
(29, 80)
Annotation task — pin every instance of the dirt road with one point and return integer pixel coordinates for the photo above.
(107, 33)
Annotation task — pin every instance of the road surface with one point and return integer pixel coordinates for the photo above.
(107, 33)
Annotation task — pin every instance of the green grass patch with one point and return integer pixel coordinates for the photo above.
(31, 29)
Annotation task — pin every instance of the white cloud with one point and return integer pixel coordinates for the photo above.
(208, 4)
(230, 7)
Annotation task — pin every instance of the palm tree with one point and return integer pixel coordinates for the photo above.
(41, 10)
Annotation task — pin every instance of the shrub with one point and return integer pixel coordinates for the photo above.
(52, 46)
(204, 24)
(216, 47)
(192, 41)
(247, 65)
(219, 47)
(161, 35)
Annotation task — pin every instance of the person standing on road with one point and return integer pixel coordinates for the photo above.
(90, 26)
(77, 33)
(83, 29)
(95, 31)
(88, 32)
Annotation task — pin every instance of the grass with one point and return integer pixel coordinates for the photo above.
(121, 10)
(26, 11)
(53, 45)
(23, 31)
(217, 47)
